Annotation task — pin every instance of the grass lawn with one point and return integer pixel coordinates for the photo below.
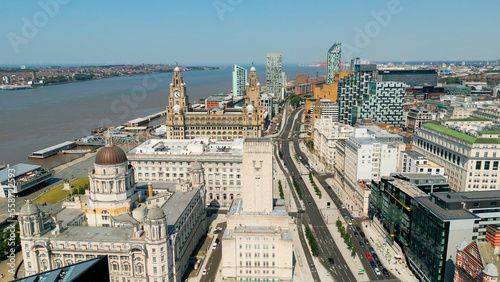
(57, 194)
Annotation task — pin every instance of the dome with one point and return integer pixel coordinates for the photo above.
(491, 270)
(177, 108)
(250, 108)
(252, 69)
(196, 166)
(29, 209)
(110, 155)
(177, 69)
(155, 213)
(258, 83)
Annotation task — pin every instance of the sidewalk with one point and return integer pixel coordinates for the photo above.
(386, 252)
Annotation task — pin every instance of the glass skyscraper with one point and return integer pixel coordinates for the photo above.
(333, 65)
(274, 70)
(240, 79)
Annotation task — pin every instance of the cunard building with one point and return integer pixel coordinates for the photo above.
(184, 122)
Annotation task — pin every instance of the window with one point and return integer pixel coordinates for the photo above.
(495, 165)
(487, 165)
(478, 165)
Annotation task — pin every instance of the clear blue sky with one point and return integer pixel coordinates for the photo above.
(242, 31)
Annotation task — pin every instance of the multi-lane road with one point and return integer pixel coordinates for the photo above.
(354, 230)
(312, 216)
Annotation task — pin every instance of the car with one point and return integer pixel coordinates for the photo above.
(367, 242)
(300, 211)
(375, 257)
(330, 260)
(214, 246)
(349, 222)
(356, 233)
(342, 207)
(362, 234)
(352, 218)
(379, 264)
(345, 215)
(329, 187)
(385, 272)
(372, 263)
(372, 250)
(377, 271)
(361, 244)
(204, 272)
(368, 256)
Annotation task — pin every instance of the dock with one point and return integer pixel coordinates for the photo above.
(47, 152)
(140, 121)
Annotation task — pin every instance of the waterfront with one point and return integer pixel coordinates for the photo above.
(38, 118)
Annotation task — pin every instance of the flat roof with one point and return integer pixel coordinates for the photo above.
(459, 135)
(450, 197)
(18, 169)
(415, 154)
(442, 213)
(55, 147)
(197, 146)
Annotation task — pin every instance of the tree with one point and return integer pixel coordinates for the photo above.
(353, 251)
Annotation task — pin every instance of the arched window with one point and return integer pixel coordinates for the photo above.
(231, 196)
(126, 267)
(210, 196)
(139, 268)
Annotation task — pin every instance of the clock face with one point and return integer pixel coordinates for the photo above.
(177, 94)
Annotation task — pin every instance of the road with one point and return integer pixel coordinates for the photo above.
(352, 230)
(327, 248)
(215, 258)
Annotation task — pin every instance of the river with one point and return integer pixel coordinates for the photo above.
(34, 119)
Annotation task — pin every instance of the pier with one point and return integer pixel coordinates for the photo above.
(47, 152)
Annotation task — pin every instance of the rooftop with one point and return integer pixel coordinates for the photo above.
(18, 169)
(459, 135)
(467, 196)
(443, 214)
(176, 205)
(197, 146)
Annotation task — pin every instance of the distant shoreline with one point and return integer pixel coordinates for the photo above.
(129, 75)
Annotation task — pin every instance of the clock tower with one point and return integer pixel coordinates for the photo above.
(178, 94)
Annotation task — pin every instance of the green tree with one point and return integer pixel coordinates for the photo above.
(353, 251)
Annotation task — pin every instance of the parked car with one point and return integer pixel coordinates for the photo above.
(330, 260)
(367, 242)
(379, 264)
(385, 272)
(377, 271)
(204, 272)
(372, 250)
(361, 244)
(368, 256)
(349, 222)
(372, 263)
(362, 234)
(375, 257)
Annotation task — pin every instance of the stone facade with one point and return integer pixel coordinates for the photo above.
(183, 122)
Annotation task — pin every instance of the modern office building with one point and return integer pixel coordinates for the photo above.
(416, 117)
(257, 243)
(382, 103)
(268, 104)
(390, 202)
(7, 79)
(351, 90)
(274, 74)
(333, 61)
(166, 160)
(146, 237)
(427, 183)
(440, 223)
(240, 79)
(467, 150)
(184, 122)
(410, 77)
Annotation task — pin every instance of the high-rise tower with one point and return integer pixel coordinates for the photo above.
(333, 65)
(240, 79)
(274, 72)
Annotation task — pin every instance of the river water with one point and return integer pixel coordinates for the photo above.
(34, 119)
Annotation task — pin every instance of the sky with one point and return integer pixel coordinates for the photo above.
(222, 32)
